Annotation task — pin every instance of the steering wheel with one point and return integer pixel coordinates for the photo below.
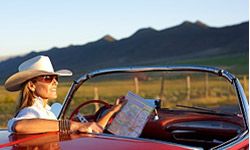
(76, 110)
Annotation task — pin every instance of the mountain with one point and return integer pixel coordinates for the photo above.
(2, 58)
(186, 41)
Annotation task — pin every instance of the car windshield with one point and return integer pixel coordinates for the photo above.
(193, 91)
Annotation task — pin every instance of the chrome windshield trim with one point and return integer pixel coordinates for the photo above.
(213, 70)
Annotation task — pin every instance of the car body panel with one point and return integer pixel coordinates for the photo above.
(56, 140)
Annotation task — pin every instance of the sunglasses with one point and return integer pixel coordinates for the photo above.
(46, 78)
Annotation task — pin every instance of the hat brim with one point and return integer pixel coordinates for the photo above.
(14, 82)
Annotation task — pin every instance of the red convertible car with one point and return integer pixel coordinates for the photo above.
(196, 107)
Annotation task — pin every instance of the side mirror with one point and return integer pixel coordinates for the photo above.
(56, 108)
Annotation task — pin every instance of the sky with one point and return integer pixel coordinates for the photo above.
(30, 25)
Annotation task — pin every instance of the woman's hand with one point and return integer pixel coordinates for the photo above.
(120, 100)
(118, 104)
(88, 127)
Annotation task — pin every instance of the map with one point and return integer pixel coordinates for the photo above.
(132, 118)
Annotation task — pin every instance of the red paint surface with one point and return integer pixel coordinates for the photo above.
(84, 141)
(241, 146)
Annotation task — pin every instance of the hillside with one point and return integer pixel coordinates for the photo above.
(185, 43)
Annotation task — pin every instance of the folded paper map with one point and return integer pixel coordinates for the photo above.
(133, 116)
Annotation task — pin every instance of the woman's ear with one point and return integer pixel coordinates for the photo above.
(31, 86)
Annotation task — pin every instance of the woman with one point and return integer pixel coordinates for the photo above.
(38, 82)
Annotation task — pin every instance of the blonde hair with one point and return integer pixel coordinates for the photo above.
(25, 98)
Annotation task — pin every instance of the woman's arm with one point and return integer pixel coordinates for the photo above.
(29, 126)
(104, 120)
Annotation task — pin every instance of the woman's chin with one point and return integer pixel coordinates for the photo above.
(52, 97)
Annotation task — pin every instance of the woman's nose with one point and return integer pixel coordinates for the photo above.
(54, 81)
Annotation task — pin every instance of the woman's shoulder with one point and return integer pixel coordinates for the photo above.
(29, 108)
(28, 111)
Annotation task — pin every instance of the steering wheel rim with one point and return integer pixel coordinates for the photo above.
(76, 110)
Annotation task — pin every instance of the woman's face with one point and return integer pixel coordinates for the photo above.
(46, 86)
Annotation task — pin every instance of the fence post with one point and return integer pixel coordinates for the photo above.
(136, 85)
(162, 92)
(206, 85)
(96, 97)
(188, 88)
(245, 85)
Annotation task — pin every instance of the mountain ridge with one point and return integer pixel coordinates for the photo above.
(182, 42)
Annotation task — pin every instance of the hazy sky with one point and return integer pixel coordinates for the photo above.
(31, 25)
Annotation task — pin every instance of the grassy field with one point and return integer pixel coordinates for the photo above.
(239, 65)
(175, 91)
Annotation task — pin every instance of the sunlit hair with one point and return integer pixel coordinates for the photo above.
(25, 99)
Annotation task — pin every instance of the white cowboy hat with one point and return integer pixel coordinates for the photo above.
(34, 67)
